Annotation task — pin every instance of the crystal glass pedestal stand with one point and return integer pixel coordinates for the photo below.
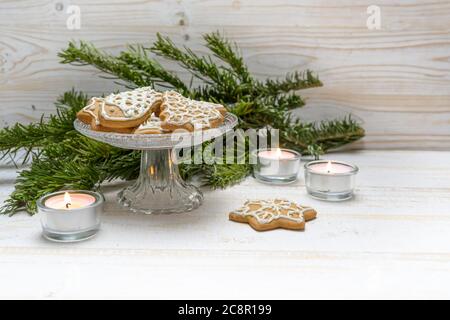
(159, 187)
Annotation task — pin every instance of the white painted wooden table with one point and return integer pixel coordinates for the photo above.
(391, 241)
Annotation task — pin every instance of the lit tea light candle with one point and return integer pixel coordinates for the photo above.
(330, 180)
(69, 201)
(69, 216)
(330, 167)
(276, 166)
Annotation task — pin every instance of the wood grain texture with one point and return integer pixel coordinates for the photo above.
(396, 81)
(391, 241)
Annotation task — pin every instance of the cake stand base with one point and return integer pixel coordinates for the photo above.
(159, 188)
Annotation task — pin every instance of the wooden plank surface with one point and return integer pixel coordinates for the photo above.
(391, 241)
(396, 80)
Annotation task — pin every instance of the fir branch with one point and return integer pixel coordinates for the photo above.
(201, 67)
(337, 133)
(293, 82)
(62, 158)
(222, 84)
(46, 131)
(137, 57)
(228, 52)
(216, 176)
(84, 53)
(225, 175)
(283, 102)
(323, 136)
(262, 112)
(217, 172)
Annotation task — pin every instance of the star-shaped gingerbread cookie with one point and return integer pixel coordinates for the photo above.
(263, 215)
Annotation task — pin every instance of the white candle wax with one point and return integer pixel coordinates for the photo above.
(276, 154)
(330, 168)
(70, 201)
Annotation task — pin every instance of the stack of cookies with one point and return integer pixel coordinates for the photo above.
(146, 111)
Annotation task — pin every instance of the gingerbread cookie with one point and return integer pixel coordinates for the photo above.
(263, 215)
(117, 130)
(178, 112)
(129, 109)
(89, 115)
(151, 126)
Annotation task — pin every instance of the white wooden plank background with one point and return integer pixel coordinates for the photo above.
(395, 80)
(391, 241)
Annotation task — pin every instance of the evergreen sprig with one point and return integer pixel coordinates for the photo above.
(62, 158)
(49, 130)
(137, 57)
(228, 53)
(84, 53)
(292, 81)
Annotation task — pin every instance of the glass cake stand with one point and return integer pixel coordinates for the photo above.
(159, 188)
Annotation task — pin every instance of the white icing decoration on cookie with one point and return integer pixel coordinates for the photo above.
(271, 210)
(133, 104)
(179, 110)
(91, 106)
(153, 123)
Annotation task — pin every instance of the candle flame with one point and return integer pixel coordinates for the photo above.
(67, 200)
(278, 153)
(328, 168)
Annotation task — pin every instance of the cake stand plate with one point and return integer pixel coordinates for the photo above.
(159, 187)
